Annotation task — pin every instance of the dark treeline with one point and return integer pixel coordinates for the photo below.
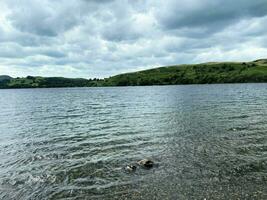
(206, 73)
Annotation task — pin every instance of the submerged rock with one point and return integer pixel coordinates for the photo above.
(146, 163)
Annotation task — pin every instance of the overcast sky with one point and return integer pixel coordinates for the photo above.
(100, 38)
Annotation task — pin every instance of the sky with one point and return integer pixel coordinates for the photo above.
(101, 38)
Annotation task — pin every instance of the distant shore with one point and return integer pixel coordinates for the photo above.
(205, 73)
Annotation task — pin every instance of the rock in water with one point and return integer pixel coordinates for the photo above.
(146, 163)
(130, 168)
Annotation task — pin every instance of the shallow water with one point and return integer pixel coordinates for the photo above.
(209, 141)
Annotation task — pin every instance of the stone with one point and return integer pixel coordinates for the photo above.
(130, 168)
(146, 163)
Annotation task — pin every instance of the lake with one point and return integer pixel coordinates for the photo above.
(208, 142)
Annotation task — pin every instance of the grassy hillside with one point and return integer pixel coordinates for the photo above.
(5, 77)
(195, 74)
(206, 73)
(4, 80)
(46, 82)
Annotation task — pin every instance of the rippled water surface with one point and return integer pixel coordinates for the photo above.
(208, 141)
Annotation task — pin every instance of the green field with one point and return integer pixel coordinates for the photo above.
(206, 73)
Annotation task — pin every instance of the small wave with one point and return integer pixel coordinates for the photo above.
(252, 167)
(239, 117)
(238, 128)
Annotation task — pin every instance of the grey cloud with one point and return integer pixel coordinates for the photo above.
(194, 13)
(44, 18)
(11, 50)
(98, 2)
(120, 32)
(53, 54)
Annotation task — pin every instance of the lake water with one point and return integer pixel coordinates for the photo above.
(208, 142)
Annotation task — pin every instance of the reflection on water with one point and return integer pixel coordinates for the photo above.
(209, 141)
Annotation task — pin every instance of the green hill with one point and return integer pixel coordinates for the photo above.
(228, 72)
(4, 80)
(206, 73)
(5, 77)
(44, 82)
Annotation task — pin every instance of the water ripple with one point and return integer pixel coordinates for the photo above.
(208, 142)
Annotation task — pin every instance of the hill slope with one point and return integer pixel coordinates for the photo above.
(44, 82)
(206, 73)
(195, 74)
(5, 77)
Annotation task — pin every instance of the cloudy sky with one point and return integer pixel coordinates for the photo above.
(100, 38)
